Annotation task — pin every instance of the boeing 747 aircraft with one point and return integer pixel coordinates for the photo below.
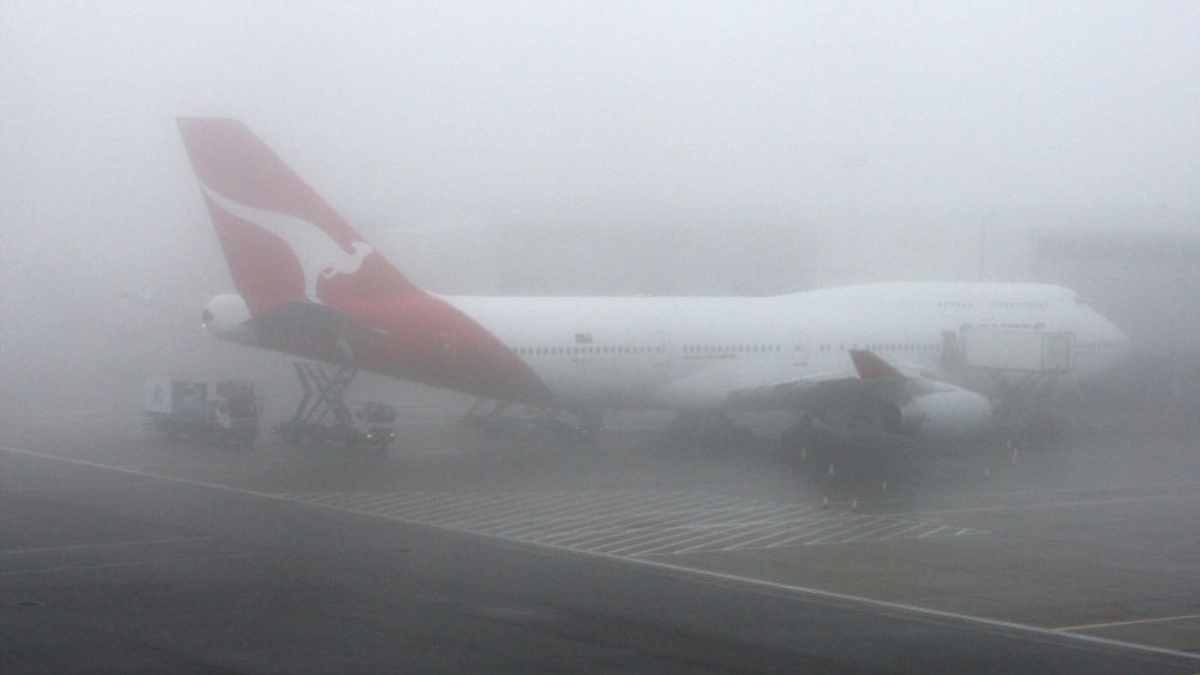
(310, 285)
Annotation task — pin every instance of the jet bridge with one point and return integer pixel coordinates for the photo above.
(1020, 367)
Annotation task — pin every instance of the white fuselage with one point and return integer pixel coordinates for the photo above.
(686, 353)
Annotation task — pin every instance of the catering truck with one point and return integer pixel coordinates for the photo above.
(220, 412)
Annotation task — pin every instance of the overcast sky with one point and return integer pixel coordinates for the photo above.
(497, 110)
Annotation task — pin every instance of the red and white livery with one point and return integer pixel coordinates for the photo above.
(310, 285)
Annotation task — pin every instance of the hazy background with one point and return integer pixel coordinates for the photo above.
(547, 147)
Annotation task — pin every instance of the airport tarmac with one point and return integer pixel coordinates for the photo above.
(450, 553)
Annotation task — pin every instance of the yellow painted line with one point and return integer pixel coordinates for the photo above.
(1134, 622)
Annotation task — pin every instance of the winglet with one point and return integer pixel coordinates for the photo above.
(871, 367)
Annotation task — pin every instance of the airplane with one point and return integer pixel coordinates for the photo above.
(874, 355)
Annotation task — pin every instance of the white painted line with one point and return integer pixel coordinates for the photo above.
(608, 518)
(443, 501)
(594, 535)
(872, 535)
(932, 532)
(503, 506)
(534, 506)
(527, 518)
(614, 529)
(1133, 622)
(765, 586)
(473, 510)
(672, 544)
(711, 543)
(1067, 504)
(835, 522)
(838, 533)
(682, 535)
(910, 528)
(104, 544)
(446, 508)
(770, 533)
(131, 563)
(693, 537)
(516, 509)
(653, 537)
(344, 500)
(397, 500)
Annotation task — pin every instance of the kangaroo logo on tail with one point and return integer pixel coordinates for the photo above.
(318, 254)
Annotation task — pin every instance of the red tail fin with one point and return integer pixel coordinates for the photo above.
(282, 241)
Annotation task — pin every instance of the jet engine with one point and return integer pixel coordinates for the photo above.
(227, 317)
(946, 414)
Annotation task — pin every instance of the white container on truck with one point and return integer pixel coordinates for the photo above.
(1016, 350)
(223, 412)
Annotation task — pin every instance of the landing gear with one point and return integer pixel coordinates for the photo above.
(708, 431)
(1026, 413)
(541, 427)
(591, 423)
(823, 457)
(812, 448)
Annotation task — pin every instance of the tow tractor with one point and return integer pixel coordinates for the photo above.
(324, 417)
(222, 412)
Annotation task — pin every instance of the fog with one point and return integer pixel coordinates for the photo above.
(738, 149)
(783, 515)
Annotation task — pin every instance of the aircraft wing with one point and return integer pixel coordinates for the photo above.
(867, 375)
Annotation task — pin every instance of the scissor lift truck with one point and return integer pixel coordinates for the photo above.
(323, 417)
